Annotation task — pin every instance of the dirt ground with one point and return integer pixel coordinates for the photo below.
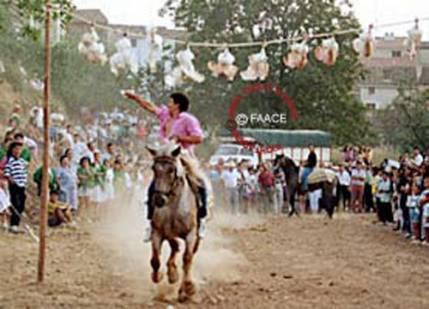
(245, 262)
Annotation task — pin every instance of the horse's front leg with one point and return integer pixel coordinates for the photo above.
(173, 275)
(187, 288)
(155, 260)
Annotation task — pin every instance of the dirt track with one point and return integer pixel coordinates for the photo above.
(274, 263)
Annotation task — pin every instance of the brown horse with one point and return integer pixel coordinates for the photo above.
(175, 215)
(291, 172)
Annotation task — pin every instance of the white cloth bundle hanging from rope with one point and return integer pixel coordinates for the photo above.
(91, 47)
(124, 59)
(327, 52)
(185, 70)
(258, 67)
(297, 57)
(37, 84)
(365, 44)
(412, 43)
(123, 44)
(224, 66)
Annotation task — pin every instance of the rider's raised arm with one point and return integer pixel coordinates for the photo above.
(149, 106)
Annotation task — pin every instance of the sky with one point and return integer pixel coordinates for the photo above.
(145, 12)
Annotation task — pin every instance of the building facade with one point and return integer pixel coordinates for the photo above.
(390, 66)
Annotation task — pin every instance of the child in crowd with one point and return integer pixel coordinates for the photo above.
(85, 176)
(119, 176)
(413, 206)
(4, 204)
(109, 186)
(98, 195)
(58, 213)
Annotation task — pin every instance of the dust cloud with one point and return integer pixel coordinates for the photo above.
(119, 235)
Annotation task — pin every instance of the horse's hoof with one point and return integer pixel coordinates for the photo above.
(190, 288)
(187, 290)
(157, 277)
(183, 297)
(173, 275)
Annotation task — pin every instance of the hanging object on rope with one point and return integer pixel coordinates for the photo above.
(412, 43)
(364, 45)
(258, 67)
(225, 65)
(297, 57)
(91, 47)
(123, 44)
(185, 69)
(124, 59)
(155, 49)
(327, 52)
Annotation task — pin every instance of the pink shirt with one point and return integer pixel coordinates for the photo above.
(184, 125)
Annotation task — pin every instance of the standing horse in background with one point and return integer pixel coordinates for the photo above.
(291, 172)
(175, 216)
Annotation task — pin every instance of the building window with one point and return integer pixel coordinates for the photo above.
(371, 90)
(371, 106)
(134, 42)
(396, 54)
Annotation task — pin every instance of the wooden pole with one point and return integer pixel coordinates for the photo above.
(45, 177)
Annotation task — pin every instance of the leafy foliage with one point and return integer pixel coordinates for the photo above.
(33, 11)
(75, 82)
(405, 123)
(323, 95)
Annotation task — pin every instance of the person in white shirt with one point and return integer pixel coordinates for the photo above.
(384, 198)
(418, 158)
(414, 210)
(244, 186)
(358, 184)
(279, 184)
(231, 177)
(68, 135)
(110, 152)
(80, 149)
(344, 181)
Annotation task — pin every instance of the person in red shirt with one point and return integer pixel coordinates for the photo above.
(266, 183)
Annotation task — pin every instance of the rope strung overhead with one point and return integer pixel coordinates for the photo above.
(255, 43)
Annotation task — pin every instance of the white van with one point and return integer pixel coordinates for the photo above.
(234, 152)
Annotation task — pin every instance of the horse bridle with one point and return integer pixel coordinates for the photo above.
(176, 180)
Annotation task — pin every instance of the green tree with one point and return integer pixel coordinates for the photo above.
(33, 11)
(323, 95)
(405, 123)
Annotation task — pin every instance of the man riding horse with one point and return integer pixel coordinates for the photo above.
(178, 125)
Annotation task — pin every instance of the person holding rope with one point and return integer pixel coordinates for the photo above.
(183, 128)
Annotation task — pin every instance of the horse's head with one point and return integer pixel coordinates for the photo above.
(285, 163)
(279, 159)
(168, 172)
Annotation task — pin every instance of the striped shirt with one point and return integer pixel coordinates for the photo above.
(16, 170)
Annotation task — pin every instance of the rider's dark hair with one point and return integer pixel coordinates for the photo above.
(181, 100)
(18, 135)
